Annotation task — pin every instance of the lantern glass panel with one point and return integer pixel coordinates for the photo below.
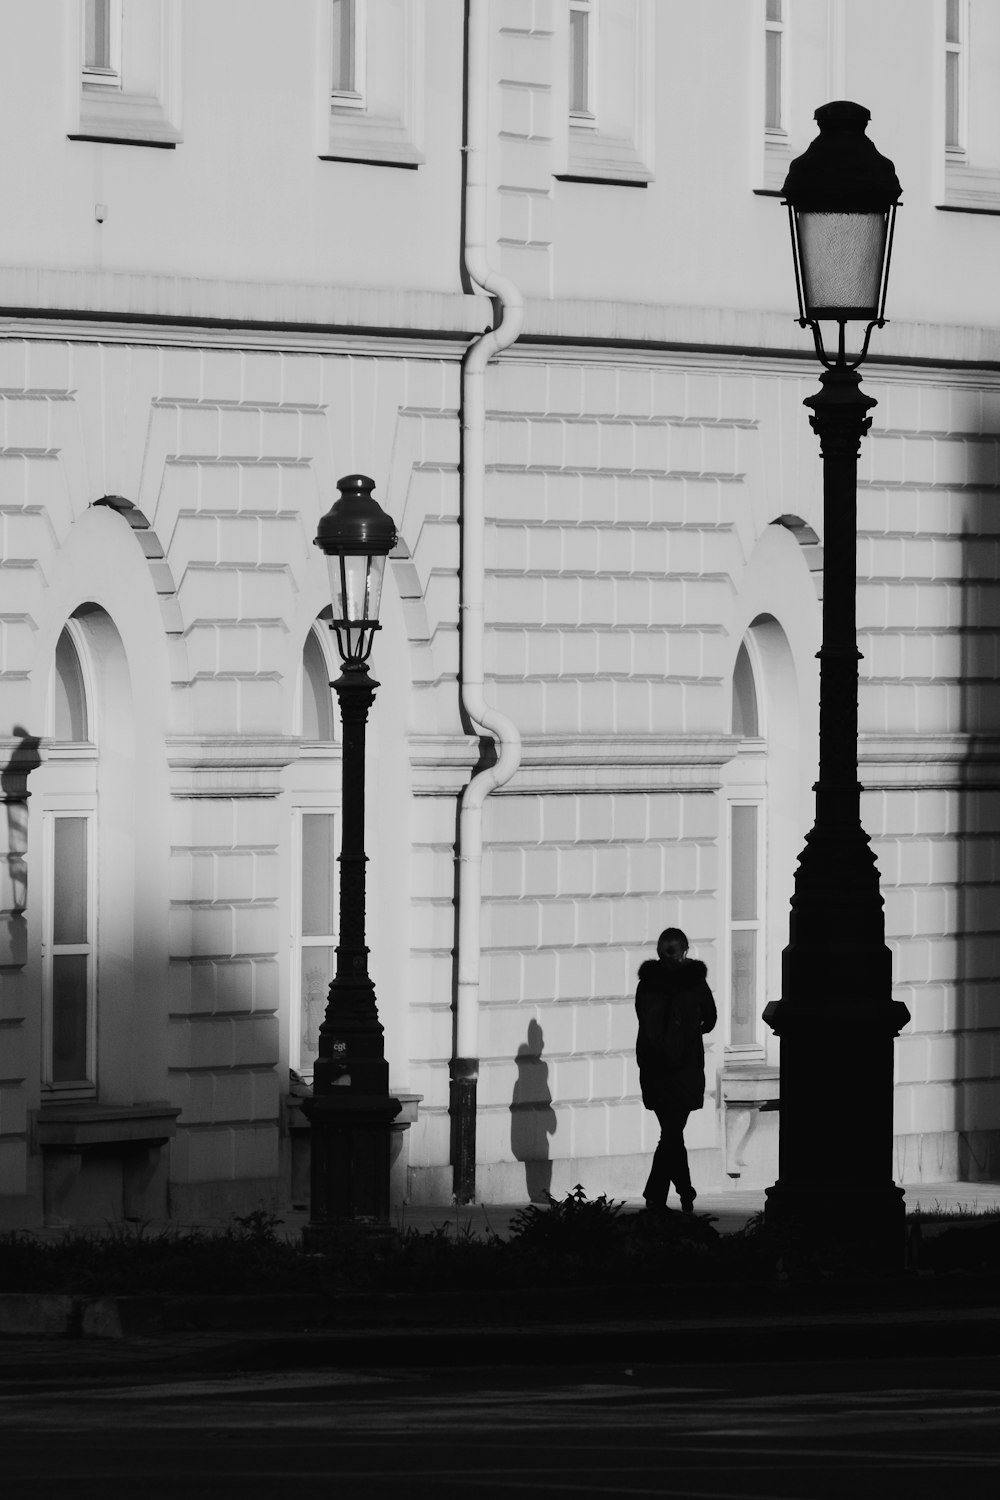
(355, 586)
(842, 257)
(348, 586)
(376, 573)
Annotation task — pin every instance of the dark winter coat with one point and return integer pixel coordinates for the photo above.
(675, 1008)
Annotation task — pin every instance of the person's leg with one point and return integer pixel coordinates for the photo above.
(676, 1159)
(658, 1183)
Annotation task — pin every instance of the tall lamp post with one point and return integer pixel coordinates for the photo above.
(835, 1198)
(350, 1112)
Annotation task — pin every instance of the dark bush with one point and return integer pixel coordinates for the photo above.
(570, 1242)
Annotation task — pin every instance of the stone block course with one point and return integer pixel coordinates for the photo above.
(590, 1132)
(539, 982)
(255, 1150)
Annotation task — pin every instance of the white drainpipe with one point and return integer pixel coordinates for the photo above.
(510, 304)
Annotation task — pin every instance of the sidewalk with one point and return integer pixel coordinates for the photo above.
(730, 1211)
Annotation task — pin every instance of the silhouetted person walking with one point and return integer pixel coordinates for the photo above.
(675, 1008)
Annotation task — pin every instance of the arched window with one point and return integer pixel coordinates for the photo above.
(70, 720)
(746, 835)
(318, 722)
(745, 719)
(69, 907)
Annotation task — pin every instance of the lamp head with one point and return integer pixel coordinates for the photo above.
(356, 536)
(842, 197)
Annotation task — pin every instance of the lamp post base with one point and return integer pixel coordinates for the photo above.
(349, 1166)
(838, 1229)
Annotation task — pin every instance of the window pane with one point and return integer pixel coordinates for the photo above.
(952, 102)
(743, 988)
(376, 573)
(952, 20)
(97, 29)
(842, 256)
(70, 718)
(318, 967)
(579, 62)
(317, 697)
(343, 46)
(743, 857)
(745, 719)
(774, 10)
(773, 80)
(318, 869)
(69, 886)
(69, 1017)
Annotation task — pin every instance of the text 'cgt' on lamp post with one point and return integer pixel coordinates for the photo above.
(835, 1202)
(351, 1112)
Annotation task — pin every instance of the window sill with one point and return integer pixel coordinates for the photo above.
(747, 1082)
(376, 140)
(77, 1126)
(124, 119)
(601, 158)
(778, 154)
(970, 190)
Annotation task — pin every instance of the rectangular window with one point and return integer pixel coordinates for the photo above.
(581, 62)
(347, 60)
(954, 77)
(130, 54)
(316, 940)
(744, 923)
(68, 957)
(373, 73)
(774, 40)
(102, 30)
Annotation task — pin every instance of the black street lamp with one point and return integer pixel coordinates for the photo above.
(835, 1199)
(350, 1111)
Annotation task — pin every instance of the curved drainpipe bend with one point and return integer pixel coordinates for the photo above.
(487, 719)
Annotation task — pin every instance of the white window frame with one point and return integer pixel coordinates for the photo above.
(778, 28)
(143, 108)
(109, 77)
(968, 171)
(957, 150)
(772, 145)
(83, 1088)
(751, 1049)
(353, 97)
(300, 942)
(73, 749)
(585, 118)
(320, 633)
(380, 123)
(613, 141)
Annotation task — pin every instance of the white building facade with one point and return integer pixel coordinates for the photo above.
(249, 248)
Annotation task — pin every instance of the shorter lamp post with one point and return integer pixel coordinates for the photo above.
(836, 1017)
(350, 1112)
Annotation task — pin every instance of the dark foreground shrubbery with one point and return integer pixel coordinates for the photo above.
(575, 1241)
(572, 1242)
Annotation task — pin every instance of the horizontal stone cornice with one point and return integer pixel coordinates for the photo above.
(132, 307)
(915, 762)
(229, 766)
(133, 296)
(576, 764)
(441, 765)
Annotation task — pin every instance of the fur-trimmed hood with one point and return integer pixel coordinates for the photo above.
(682, 976)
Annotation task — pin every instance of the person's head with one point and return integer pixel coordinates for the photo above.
(672, 946)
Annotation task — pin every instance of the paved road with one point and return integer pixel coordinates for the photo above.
(154, 1426)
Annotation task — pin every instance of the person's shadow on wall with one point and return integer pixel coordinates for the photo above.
(532, 1118)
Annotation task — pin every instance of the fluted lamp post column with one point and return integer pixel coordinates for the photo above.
(835, 1203)
(351, 1112)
